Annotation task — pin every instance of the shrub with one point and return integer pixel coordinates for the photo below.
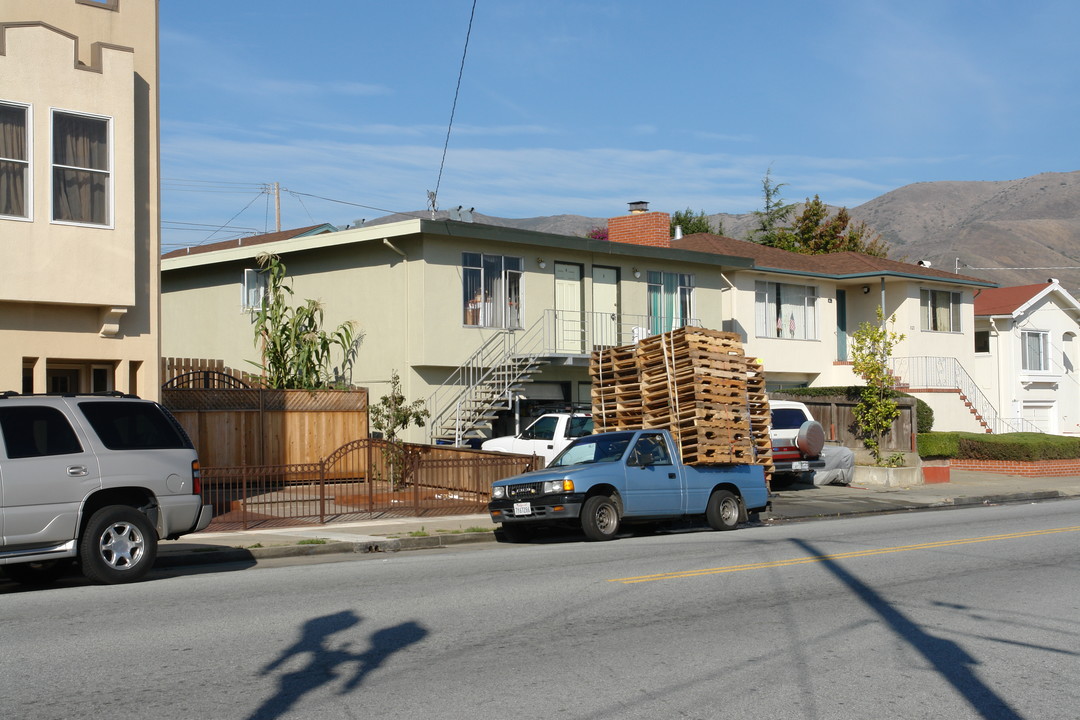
(1008, 446)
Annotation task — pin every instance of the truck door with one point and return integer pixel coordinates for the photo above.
(653, 485)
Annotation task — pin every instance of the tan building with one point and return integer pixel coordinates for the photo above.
(79, 209)
(482, 320)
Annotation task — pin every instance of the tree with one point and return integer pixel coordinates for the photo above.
(691, 223)
(770, 220)
(297, 354)
(390, 416)
(815, 232)
(871, 349)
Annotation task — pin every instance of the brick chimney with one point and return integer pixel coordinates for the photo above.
(641, 227)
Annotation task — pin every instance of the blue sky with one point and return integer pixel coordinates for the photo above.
(580, 107)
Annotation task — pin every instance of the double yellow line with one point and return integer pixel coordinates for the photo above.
(838, 556)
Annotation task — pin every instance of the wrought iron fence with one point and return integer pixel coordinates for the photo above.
(361, 480)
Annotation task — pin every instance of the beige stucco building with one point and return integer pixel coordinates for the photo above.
(456, 307)
(79, 211)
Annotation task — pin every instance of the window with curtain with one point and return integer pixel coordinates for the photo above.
(81, 169)
(940, 310)
(671, 300)
(491, 290)
(1035, 350)
(14, 161)
(785, 311)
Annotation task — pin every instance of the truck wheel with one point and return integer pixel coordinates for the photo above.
(600, 518)
(38, 574)
(119, 545)
(723, 510)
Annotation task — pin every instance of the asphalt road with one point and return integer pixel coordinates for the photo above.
(971, 613)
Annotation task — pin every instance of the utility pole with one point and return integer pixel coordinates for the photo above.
(277, 207)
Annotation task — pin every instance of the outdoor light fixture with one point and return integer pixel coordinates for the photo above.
(637, 273)
(541, 263)
(865, 289)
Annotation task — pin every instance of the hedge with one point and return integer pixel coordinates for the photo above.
(1007, 446)
(924, 414)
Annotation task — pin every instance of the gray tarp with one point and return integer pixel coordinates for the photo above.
(839, 466)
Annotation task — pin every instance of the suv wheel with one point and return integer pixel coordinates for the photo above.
(119, 545)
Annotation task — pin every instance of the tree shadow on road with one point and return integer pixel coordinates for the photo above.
(326, 660)
(949, 659)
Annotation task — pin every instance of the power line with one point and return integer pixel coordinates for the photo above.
(453, 108)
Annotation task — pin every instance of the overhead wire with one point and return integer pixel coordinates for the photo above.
(453, 110)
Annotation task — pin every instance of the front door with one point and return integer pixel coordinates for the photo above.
(605, 307)
(841, 325)
(569, 323)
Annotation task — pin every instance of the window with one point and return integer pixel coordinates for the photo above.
(982, 341)
(671, 300)
(82, 176)
(1034, 350)
(786, 311)
(940, 310)
(36, 432)
(134, 426)
(491, 290)
(650, 450)
(14, 161)
(253, 290)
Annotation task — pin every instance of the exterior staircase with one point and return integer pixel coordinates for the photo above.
(946, 374)
(466, 404)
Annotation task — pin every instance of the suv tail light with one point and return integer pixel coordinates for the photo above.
(196, 478)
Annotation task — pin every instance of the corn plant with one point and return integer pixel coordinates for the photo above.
(297, 354)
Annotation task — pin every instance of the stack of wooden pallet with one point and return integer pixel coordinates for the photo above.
(697, 383)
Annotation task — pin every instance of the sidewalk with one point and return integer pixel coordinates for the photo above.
(795, 503)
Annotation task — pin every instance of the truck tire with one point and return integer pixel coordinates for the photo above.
(600, 518)
(723, 511)
(119, 545)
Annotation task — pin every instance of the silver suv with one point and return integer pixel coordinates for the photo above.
(100, 478)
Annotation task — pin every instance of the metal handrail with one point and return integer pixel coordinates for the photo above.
(487, 380)
(948, 373)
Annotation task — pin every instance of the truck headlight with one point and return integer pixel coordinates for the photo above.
(498, 492)
(558, 486)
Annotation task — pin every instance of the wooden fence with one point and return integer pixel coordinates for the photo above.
(836, 413)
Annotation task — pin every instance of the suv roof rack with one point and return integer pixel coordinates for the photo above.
(99, 393)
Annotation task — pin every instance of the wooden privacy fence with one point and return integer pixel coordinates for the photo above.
(355, 483)
(241, 427)
(836, 413)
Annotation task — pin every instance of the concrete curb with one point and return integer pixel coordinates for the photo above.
(212, 556)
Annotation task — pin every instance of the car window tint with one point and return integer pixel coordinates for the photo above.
(31, 431)
(542, 429)
(133, 426)
(654, 448)
(580, 426)
(787, 419)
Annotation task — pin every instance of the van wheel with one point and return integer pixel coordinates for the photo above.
(41, 573)
(723, 511)
(119, 545)
(600, 518)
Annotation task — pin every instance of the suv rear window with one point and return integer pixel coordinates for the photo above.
(134, 426)
(787, 419)
(37, 431)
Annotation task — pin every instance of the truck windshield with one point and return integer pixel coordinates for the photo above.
(608, 447)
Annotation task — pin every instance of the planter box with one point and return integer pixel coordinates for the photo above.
(871, 476)
(936, 473)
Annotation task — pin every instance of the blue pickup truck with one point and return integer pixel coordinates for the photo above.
(602, 481)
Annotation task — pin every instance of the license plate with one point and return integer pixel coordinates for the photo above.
(800, 465)
(523, 508)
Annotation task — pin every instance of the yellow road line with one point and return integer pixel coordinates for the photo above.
(838, 556)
